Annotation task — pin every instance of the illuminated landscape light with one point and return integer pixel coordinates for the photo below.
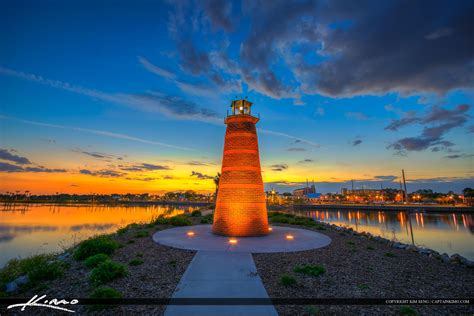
(270, 229)
(290, 237)
(233, 241)
(190, 233)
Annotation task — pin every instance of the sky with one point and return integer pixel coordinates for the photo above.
(130, 96)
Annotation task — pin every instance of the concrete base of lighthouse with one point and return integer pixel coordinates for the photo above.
(275, 241)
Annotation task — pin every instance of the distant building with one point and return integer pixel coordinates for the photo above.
(304, 191)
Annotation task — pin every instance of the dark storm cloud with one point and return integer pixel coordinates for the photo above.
(437, 122)
(7, 167)
(200, 175)
(279, 167)
(102, 173)
(389, 48)
(144, 167)
(367, 47)
(5, 154)
(356, 142)
(219, 12)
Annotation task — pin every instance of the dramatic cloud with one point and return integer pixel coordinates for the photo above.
(99, 132)
(200, 176)
(151, 101)
(102, 173)
(356, 142)
(437, 122)
(6, 167)
(144, 167)
(279, 167)
(6, 155)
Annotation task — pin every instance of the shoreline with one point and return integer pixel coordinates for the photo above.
(356, 265)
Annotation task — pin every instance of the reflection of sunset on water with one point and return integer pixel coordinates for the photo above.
(443, 232)
(49, 228)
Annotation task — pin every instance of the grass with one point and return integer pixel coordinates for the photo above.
(312, 310)
(95, 245)
(107, 271)
(287, 280)
(172, 263)
(95, 260)
(104, 292)
(207, 219)
(141, 234)
(407, 311)
(312, 270)
(390, 255)
(196, 213)
(178, 220)
(38, 268)
(135, 262)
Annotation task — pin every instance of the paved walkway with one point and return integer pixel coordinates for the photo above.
(221, 274)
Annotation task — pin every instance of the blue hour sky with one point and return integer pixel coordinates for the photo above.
(129, 96)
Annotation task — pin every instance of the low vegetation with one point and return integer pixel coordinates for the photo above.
(286, 218)
(135, 262)
(107, 271)
(95, 260)
(95, 245)
(105, 292)
(311, 270)
(287, 280)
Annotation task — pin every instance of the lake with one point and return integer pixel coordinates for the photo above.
(444, 232)
(36, 229)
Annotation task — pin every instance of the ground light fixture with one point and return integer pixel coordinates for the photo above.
(270, 229)
(233, 241)
(190, 233)
(289, 237)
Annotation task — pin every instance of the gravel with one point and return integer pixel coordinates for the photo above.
(156, 277)
(360, 267)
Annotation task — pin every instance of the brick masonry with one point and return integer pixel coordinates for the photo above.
(240, 207)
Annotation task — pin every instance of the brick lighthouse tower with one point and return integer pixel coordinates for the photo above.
(240, 207)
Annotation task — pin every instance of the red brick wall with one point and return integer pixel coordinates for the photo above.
(240, 207)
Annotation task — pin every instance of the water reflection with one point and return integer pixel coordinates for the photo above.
(34, 229)
(443, 232)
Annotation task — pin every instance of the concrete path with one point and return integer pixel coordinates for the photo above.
(221, 274)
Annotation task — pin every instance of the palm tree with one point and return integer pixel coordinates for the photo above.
(216, 182)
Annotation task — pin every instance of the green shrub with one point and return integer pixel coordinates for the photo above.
(207, 219)
(136, 262)
(105, 292)
(95, 245)
(287, 280)
(196, 213)
(141, 234)
(362, 286)
(107, 271)
(312, 310)
(351, 243)
(95, 260)
(161, 220)
(312, 270)
(280, 219)
(131, 241)
(38, 268)
(390, 254)
(407, 311)
(180, 221)
(172, 263)
(370, 248)
(122, 230)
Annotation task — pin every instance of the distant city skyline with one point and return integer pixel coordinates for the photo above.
(130, 96)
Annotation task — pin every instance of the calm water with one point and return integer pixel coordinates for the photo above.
(443, 232)
(50, 228)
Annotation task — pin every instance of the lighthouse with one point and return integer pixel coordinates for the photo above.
(240, 206)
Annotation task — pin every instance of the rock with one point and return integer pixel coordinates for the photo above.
(424, 251)
(456, 258)
(398, 245)
(412, 248)
(22, 280)
(445, 258)
(11, 287)
(64, 256)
